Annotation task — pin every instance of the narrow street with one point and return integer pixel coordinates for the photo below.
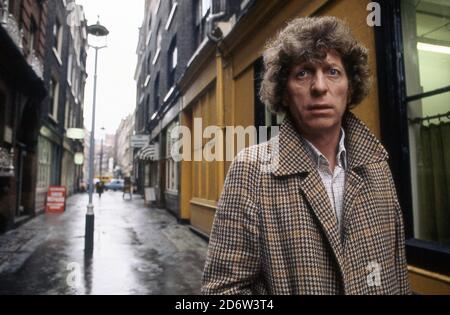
(137, 250)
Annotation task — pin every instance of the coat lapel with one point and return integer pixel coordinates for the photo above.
(294, 159)
(354, 184)
(314, 191)
(363, 148)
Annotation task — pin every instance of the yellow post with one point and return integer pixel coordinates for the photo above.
(186, 172)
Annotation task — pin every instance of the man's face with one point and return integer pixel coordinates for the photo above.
(317, 94)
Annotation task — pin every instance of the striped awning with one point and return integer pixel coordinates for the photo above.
(149, 153)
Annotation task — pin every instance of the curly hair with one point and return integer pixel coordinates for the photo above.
(309, 39)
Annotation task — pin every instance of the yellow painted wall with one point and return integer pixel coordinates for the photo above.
(203, 180)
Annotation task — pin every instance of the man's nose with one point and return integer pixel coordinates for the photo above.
(319, 84)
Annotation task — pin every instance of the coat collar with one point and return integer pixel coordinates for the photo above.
(361, 145)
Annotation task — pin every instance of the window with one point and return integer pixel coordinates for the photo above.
(32, 43)
(159, 38)
(172, 63)
(149, 63)
(413, 48)
(205, 7)
(173, 9)
(147, 108)
(45, 161)
(54, 98)
(426, 37)
(69, 70)
(158, 44)
(202, 9)
(57, 35)
(67, 116)
(156, 94)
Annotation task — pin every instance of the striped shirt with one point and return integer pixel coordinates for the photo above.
(334, 182)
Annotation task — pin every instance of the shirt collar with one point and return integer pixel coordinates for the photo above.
(320, 159)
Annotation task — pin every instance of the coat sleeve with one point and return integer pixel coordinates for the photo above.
(401, 267)
(232, 262)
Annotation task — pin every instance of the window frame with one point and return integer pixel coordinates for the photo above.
(54, 98)
(171, 65)
(32, 36)
(394, 133)
(58, 34)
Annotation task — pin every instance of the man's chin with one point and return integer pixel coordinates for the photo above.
(322, 125)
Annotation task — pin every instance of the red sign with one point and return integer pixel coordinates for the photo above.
(56, 199)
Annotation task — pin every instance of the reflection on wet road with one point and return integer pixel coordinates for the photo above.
(137, 250)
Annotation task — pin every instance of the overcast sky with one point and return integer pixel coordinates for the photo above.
(116, 88)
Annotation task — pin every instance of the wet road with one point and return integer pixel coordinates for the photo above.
(137, 250)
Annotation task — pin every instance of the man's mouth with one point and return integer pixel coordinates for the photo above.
(319, 107)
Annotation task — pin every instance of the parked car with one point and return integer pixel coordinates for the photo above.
(115, 184)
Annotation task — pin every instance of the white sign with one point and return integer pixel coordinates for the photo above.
(149, 194)
(139, 141)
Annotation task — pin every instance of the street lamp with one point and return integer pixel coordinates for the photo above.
(100, 32)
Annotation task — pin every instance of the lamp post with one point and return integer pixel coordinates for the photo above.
(98, 31)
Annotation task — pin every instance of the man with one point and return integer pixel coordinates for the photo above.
(325, 219)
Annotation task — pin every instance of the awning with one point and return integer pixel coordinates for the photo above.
(149, 153)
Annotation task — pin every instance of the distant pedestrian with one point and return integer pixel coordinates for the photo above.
(99, 187)
(127, 188)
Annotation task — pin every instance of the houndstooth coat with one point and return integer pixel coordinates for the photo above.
(275, 232)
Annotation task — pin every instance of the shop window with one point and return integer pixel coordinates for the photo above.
(426, 40)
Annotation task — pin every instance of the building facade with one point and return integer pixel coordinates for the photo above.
(171, 34)
(22, 47)
(64, 77)
(71, 174)
(123, 155)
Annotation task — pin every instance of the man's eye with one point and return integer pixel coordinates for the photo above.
(334, 72)
(302, 73)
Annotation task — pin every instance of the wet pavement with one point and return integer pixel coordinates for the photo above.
(137, 250)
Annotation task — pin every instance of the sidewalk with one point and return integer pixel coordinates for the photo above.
(137, 250)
